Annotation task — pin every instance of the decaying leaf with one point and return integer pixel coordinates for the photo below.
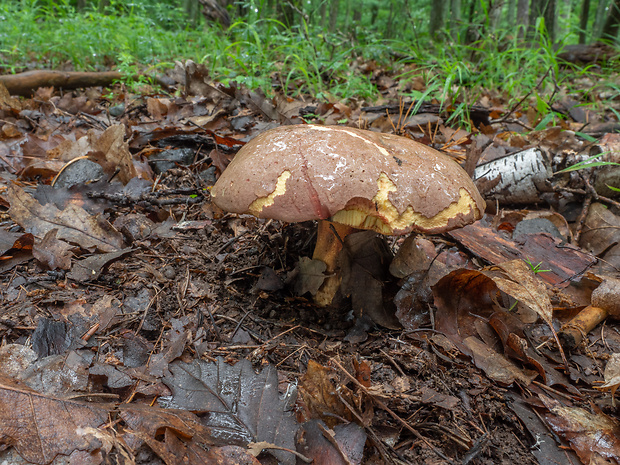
(90, 268)
(178, 436)
(496, 366)
(41, 427)
(108, 149)
(521, 283)
(344, 444)
(52, 252)
(466, 302)
(311, 276)
(593, 436)
(612, 375)
(318, 390)
(243, 406)
(364, 263)
(73, 223)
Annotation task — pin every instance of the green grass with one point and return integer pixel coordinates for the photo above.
(304, 60)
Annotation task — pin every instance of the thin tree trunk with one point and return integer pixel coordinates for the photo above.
(550, 15)
(599, 19)
(455, 18)
(495, 10)
(333, 15)
(389, 24)
(511, 13)
(323, 14)
(436, 18)
(583, 21)
(612, 24)
(523, 16)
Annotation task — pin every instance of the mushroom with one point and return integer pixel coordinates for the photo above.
(348, 179)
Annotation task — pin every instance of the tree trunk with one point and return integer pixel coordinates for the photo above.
(583, 21)
(191, 10)
(523, 15)
(436, 19)
(289, 13)
(495, 11)
(612, 24)
(543, 9)
(511, 13)
(389, 24)
(549, 13)
(599, 19)
(455, 18)
(323, 13)
(333, 15)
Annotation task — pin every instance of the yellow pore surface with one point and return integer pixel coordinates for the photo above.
(385, 219)
(257, 206)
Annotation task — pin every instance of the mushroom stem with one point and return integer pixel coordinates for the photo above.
(329, 243)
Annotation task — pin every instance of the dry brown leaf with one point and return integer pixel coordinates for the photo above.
(612, 374)
(522, 284)
(52, 252)
(109, 149)
(318, 390)
(74, 224)
(185, 439)
(591, 435)
(41, 427)
(496, 366)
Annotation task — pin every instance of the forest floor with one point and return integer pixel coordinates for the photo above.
(141, 324)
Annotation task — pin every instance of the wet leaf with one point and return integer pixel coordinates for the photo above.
(612, 374)
(243, 406)
(496, 366)
(90, 268)
(311, 276)
(177, 435)
(73, 223)
(319, 393)
(591, 435)
(52, 252)
(344, 444)
(521, 283)
(41, 427)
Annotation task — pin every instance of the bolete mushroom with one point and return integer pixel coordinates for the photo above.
(347, 179)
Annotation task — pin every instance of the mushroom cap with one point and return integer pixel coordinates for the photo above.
(607, 296)
(368, 180)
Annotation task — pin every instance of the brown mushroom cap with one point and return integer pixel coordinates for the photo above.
(367, 180)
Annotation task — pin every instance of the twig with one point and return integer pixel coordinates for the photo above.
(391, 413)
(518, 104)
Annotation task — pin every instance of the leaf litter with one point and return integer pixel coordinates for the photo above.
(166, 331)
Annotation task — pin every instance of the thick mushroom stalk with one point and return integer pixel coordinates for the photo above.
(329, 243)
(351, 177)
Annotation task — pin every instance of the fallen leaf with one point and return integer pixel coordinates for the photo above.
(311, 276)
(612, 375)
(243, 406)
(341, 445)
(73, 223)
(42, 427)
(318, 391)
(90, 268)
(52, 252)
(496, 366)
(591, 435)
(522, 284)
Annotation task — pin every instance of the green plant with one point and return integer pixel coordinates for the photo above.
(535, 268)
